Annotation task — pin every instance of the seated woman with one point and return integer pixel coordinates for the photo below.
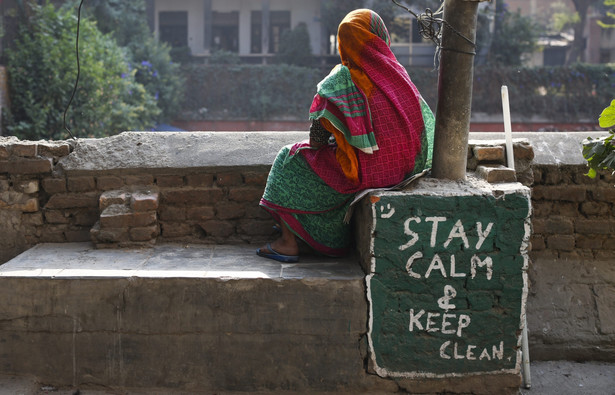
(381, 128)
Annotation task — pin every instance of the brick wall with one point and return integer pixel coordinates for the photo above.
(39, 204)
(574, 216)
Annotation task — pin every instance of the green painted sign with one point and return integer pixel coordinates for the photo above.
(448, 282)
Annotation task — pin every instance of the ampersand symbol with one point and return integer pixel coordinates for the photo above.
(444, 302)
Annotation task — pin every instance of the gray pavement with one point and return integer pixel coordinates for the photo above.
(547, 378)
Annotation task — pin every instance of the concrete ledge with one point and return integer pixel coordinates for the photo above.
(210, 318)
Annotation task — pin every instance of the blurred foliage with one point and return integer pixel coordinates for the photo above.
(126, 22)
(295, 47)
(600, 152)
(42, 71)
(562, 94)
(515, 37)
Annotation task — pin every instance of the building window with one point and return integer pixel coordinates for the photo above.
(225, 31)
(173, 26)
(279, 23)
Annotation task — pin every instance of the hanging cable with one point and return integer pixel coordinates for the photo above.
(78, 70)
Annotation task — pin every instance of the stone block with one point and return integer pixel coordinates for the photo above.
(489, 153)
(81, 184)
(26, 166)
(496, 173)
(589, 242)
(54, 185)
(229, 179)
(595, 208)
(108, 235)
(106, 183)
(77, 235)
(4, 185)
(4, 152)
(200, 180)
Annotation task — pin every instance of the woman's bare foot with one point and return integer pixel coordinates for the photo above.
(286, 244)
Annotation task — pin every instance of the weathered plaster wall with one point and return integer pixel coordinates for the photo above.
(209, 185)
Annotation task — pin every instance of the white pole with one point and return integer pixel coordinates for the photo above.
(507, 128)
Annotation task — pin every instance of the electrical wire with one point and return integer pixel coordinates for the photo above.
(78, 70)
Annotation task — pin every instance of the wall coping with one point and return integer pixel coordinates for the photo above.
(199, 150)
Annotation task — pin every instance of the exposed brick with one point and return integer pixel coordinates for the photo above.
(594, 226)
(24, 149)
(54, 185)
(81, 184)
(106, 183)
(606, 194)
(171, 181)
(254, 178)
(538, 174)
(570, 193)
(494, 174)
(585, 242)
(594, 208)
(120, 216)
(217, 228)
(72, 200)
(175, 229)
(537, 243)
(33, 219)
(566, 209)
(255, 228)
(144, 201)
(523, 151)
(489, 153)
(144, 233)
(256, 212)
(85, 217)
(4, 152)
(561, 242)
(139, 180)
(200, 180)
(109, 198)
(229, 210)
(229, 179)
(173, 213)
(196, 197)
(29, 187)
(80, 235)
(201, 213)
(26, 166)
(54, 149)
(246, 194)
(4, 185)
(552, 177)
(109, 235)
(53, 234)
(27, 205)
(541, 208)
(56, 217)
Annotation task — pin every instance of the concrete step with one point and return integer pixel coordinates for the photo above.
(189, 317)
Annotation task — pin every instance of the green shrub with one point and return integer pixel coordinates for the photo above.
(42, 71)
(600, 152)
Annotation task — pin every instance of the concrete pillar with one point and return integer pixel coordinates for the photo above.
(207, 22)
(265, 27)
(455, 90)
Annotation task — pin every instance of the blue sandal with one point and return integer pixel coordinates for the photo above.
(276, 256)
